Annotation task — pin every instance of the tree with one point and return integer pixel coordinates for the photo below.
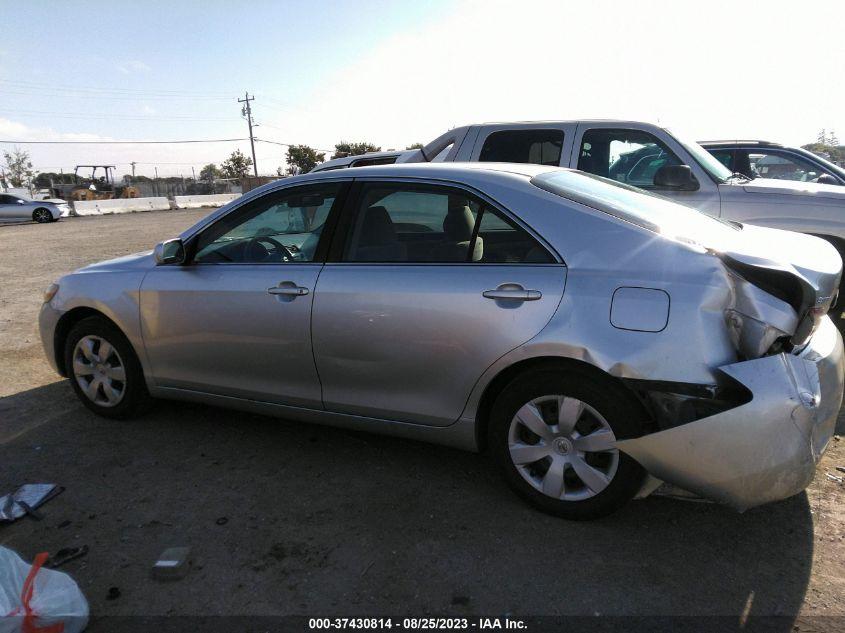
(827, 145)
(210, 172)
(42, 180)
(18, 167)
(823, 138)
(345, 148)
(236, 166)
(415, 146)
(301, 159)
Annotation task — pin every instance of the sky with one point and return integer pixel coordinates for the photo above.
(395, 72)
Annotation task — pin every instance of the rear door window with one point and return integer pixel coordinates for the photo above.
(411, 223)
(541, 147)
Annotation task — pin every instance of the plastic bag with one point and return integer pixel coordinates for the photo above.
(38, 600)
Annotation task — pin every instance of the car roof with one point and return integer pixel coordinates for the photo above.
(345, 160)
(426, 170)
(756, 143)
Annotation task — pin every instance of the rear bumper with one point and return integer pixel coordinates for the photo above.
(766, 449)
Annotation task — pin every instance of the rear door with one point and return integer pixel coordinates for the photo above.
(426, 286)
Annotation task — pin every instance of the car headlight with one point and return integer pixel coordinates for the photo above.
(50, 292)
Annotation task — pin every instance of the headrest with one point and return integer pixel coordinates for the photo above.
(377, 227)
(458, 224)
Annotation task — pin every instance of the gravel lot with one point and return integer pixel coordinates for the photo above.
(288, 518)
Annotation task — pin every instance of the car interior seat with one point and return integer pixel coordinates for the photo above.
(457, 234)
(377, 241)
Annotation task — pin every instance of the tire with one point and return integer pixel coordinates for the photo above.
(600, 406)
(111, 397)
(42, 216)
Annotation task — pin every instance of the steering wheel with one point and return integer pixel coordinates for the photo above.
(252, 255)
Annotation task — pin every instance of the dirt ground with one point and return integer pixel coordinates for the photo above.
(286, 518)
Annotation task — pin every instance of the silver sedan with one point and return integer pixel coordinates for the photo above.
(17, 208)
(596, 339)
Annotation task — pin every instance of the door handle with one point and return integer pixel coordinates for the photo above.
(288, 289)
(512, 292)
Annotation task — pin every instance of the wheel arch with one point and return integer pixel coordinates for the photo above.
(66, 323)
(551, 363)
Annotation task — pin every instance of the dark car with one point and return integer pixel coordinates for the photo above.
(762, 159)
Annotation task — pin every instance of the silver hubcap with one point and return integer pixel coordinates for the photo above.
(99, 371)
(41, 215)
(563, 447)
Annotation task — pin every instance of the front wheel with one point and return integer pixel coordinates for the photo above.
(42, 216)
(104, 370)
(553, 434)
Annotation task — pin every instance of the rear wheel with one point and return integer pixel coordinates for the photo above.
(42, 216)
(104, 371)
(553, 435)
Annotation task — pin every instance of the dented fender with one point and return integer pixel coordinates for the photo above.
(766, 449)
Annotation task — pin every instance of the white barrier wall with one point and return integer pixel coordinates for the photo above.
(120, 205)
(195, 202)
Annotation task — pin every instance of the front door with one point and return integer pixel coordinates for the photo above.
(11, 208)
(426, 287)
(235, 320)
(634, 156)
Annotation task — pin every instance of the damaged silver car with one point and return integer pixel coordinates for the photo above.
(597, 339)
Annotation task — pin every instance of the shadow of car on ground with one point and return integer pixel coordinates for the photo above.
(287, 518)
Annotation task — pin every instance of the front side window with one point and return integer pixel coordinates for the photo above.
(279, 227)
(431, 224)
(782, 166)
(629, 156)
(542, 147)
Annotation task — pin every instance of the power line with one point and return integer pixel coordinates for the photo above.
(207, 140)
(264, 140)
(34, 85)
(109, 115)
(144, 97)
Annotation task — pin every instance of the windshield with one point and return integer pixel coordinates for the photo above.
(708, 162)
(634, 205)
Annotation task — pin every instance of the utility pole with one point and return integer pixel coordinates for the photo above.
(133, 169)
(193, 173)
(247, 112)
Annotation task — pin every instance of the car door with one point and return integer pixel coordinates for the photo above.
(633, 156)
(12, 207)
(236, 319)
(5, 206)
(426, 286)
(545, 144)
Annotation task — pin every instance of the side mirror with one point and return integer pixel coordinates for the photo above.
(676, 177)
(169, 252)
(21, 201)
(827, 179)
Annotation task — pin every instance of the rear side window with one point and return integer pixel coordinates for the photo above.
(380, 160)
(542, 147)
(431, 224)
